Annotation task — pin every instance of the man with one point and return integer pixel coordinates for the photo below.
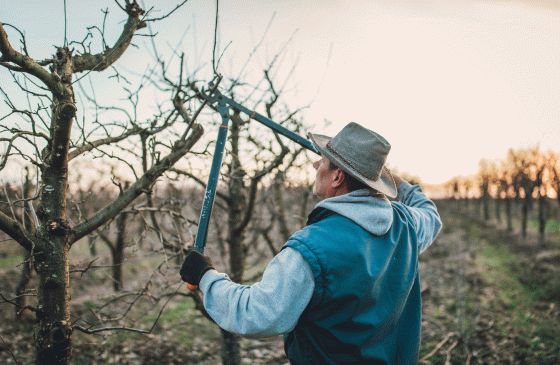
(345, 289)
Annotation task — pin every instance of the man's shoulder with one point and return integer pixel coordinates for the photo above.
(402, 211)
(331, 227)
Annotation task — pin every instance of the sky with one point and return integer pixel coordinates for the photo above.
(446, 82)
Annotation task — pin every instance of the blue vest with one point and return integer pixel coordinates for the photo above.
(366, 305)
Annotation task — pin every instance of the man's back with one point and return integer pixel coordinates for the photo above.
(366, 303)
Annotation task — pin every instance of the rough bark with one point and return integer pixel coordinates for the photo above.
(53, 343)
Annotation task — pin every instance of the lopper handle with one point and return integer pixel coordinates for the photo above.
(192, 287)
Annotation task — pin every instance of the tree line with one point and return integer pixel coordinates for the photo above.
(514, 185)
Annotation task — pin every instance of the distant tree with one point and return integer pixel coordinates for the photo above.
(506, 192)
(554, 166)
(544, 182)
(524, 170)
(485, 175)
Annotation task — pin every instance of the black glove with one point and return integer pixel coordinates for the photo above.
(194, 267)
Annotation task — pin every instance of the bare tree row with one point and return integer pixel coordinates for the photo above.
(524, 178)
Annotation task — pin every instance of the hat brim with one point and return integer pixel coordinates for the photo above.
(384, 184)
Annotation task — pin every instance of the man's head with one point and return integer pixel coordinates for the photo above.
(351, 160)
(331, 180)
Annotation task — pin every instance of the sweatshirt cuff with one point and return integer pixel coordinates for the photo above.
(209, 278)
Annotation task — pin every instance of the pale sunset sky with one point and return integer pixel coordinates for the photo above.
(446, 82)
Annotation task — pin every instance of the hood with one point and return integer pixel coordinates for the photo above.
(374, 214)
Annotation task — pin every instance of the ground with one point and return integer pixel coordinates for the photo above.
(488, 298)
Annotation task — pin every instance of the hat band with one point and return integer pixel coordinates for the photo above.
(351, 164)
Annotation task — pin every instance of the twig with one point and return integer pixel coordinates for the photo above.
(215, 38)
(448, 353)
(438, 346)
(9, 202)
(12, 302)
(130, 329)
(9, 350)
(89, 266)
(168, 14)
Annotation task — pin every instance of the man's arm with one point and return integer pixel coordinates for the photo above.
(267, 308)
(423, 210)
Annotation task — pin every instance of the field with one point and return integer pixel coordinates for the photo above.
(488, 298)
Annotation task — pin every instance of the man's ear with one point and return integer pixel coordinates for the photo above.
(339, 178)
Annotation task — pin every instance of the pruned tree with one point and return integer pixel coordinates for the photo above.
(41, 133)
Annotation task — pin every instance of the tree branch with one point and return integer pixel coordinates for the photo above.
(13, 229)
(100, 61)
(200, 182)
(26, 63)
(107, 241)
(254, 184)
(111, 210)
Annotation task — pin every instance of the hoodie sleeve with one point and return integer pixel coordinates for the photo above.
(267, 308)
(426, 217)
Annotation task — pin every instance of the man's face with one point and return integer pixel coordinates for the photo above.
(324, 177)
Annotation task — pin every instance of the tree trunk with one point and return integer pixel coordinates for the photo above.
(52, 336)
(279, 203)
(117, 270)
(118, 253)
(486, 208)
(497, 207)
(303, 207)
(231, 353)
(542, 217)
(524, 217)
(92, 244)
(508, 214)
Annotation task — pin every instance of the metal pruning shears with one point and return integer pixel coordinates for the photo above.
(223, 104)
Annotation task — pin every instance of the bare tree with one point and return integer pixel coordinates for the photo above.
(524, 181)
(41, 133)
(485, 177)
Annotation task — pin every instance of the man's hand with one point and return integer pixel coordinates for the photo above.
(194, 267)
